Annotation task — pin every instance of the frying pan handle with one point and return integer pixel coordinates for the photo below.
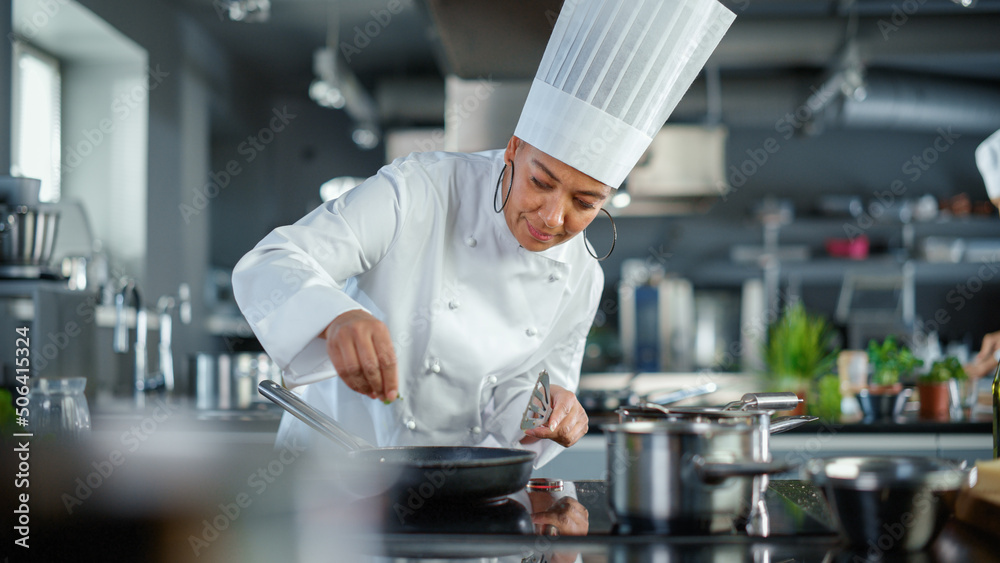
(314, 418)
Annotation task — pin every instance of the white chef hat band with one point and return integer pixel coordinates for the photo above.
(578, 134)
(613, 71)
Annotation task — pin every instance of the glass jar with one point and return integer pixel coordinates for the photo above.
(57, 407)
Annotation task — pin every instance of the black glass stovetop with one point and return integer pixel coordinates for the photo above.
(575, 523)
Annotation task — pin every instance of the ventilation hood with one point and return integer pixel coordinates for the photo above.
(683, 171)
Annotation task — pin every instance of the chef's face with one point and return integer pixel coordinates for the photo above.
(550, 201)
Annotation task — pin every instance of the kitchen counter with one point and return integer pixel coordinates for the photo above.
(803, 530)
(181, 419)
(164, 499)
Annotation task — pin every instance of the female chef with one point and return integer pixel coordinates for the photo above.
(420, 307)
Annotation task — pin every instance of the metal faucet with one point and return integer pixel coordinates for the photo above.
(120, 337)
(164, 306)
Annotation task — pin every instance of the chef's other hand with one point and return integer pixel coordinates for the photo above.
(985, 361)
(564, 517)
(568, 422)
(361, 351)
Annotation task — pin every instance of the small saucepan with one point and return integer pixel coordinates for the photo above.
(435, 473)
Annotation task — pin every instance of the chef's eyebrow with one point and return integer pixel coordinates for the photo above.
(600, 196)
(545, 169)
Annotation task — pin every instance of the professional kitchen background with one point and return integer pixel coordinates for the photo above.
(188, 129)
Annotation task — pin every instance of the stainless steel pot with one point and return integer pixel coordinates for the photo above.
(888, 505)
(28, 234)
(683, 476)
(753, 516)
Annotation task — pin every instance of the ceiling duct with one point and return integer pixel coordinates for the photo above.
(906, 101)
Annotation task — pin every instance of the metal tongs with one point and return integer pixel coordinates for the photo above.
(539, 405)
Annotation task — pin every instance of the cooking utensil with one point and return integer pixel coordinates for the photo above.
(607, 400)
(27, 234)
(653, 412)
(19, 190)
(539, 407)
(683, 476)
(892, 503)
(753, 514)
(435, 473)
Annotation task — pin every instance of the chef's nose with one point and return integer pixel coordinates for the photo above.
(551, 212)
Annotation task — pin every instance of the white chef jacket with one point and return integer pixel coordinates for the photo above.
(473, 316)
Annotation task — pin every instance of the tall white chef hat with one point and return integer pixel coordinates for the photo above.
(988, 161)
(612, 72)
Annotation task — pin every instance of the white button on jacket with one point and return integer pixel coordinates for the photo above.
(404, 245)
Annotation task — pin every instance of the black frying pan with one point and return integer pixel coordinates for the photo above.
(451, 473)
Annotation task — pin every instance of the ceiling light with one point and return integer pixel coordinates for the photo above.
(326, 95)
(336, 187)
(246, 11)
(366, 137)
(621, 199)
(335, 86)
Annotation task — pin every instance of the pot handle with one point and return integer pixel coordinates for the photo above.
(765, 402)
(713, 473)
(314, 418)
(782, 423)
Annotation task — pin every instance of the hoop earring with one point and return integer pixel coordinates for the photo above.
(499, 182)
(614, 232)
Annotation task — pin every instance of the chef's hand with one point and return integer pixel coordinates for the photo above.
(568, 422)
(985, 361)
(361, 351)
(564, 516)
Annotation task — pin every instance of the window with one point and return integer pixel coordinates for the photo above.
(36, 109)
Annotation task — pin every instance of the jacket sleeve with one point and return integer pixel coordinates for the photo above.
(563, 365)
(292, 284)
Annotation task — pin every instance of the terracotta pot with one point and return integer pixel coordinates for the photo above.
(935, 401)
(800, 410)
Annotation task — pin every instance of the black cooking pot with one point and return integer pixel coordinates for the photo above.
(435, 473)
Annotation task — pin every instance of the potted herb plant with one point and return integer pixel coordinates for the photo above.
(799, 350)
(933, 386)
(889, 361)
